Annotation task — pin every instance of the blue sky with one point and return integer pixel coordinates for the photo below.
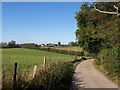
(40, 22)
(56, 0)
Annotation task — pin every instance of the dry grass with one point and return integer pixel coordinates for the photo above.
(55, 76)
(69, 48)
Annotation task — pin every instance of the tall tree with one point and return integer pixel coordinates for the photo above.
(12, 44)
(93, 27)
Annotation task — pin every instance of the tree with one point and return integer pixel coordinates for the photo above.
(59, 43)
(97, 30)
(103, 8)
(85, 7)
(72, 44)
(12, 44)
(3, 45)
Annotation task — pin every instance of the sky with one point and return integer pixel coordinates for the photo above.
(39, 22)
(48, 0)
(60, 0)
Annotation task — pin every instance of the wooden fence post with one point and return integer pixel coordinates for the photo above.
(34, 71)
(45, 62)
(14, 76)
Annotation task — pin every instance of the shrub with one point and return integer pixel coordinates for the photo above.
(108, 58)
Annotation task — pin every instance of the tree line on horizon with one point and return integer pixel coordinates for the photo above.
(12, 44)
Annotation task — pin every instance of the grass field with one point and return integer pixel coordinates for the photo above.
(27, 58)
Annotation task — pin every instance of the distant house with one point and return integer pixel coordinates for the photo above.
(51, 45)
(42, 44)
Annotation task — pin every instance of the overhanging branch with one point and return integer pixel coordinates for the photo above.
(107, 11)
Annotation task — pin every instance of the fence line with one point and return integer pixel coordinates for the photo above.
(34, 70)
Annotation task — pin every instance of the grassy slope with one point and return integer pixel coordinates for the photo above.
(27, 58)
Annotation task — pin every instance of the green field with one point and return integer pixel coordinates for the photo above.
(27, 58)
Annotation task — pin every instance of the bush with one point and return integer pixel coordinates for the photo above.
(108, 58)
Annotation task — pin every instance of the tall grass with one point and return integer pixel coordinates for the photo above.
(55, 76)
